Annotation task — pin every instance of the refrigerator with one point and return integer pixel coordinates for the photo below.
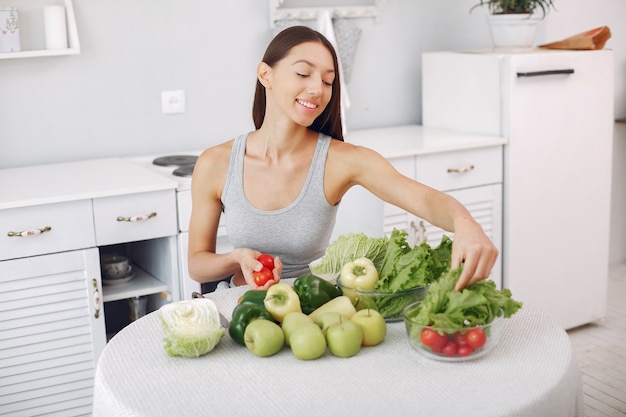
(555, 108)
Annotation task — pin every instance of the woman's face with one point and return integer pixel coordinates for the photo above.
(301, 83)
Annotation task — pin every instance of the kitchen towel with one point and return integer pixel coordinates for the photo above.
(55, 27)
(325, 27)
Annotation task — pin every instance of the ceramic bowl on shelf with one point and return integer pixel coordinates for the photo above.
(389, 305)
(451, 345)
(115, 266)
(116, 269)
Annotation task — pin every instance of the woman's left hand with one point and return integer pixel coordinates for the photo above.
(476, 252)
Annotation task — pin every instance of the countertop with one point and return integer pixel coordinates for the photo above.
(71, 181)
(412, 140)
(95, 178)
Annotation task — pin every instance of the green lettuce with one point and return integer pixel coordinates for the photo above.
(192, 327)
(404, 267)
(477, 304)
(347, 248)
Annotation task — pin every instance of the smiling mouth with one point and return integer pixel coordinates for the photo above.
(307, 104)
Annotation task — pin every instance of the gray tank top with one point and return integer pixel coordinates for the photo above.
(298, 233)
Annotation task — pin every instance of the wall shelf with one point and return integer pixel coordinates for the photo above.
(72, 39)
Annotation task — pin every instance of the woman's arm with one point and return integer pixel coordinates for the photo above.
(205, 265)
(363, 166)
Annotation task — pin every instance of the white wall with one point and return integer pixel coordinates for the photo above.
(106, 101)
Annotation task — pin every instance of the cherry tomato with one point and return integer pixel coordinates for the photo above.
(433, 339)
(465, 350)
(460, 338)
(262, 276)
(267, 261)
(450, 348)
(476, 338)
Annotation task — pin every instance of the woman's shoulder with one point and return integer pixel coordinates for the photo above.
(349, 149)
(215, 157)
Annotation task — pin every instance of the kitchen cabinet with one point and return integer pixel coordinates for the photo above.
(32, 11)
(466, 166)
(556, 110)
(51, 332)
(55, 314)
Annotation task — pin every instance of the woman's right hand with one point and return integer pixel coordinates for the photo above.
(249, 264)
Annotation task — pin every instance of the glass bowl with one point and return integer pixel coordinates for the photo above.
(389, 305)
(452, 345)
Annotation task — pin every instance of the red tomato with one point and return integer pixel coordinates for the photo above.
(433, 339)
(262, 276)
(267, 261)
(450, 348)
(476, 338)
(460, 338)
(465, 350)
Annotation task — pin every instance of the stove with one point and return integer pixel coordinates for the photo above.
(178, 167)
(184, 170)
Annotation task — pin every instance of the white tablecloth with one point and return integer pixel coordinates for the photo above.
(532, 372)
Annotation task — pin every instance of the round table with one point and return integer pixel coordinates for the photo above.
(532, 372)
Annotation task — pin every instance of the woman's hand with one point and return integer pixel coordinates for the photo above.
(475, 250)
(249, 264)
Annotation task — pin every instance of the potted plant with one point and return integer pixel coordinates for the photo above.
(513, 23)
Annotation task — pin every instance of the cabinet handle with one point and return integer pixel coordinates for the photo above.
(138, 218)
(460, 170)
(421, 235)
(549, 72)
(27, 233)
(97, 302)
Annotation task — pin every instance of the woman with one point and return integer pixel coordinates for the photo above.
(280, 185)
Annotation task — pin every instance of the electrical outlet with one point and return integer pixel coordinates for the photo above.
(173, 102)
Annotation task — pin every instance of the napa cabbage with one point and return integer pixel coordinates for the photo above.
(346, 249)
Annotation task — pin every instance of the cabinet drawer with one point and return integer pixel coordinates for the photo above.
(460, 169)
(135, 217)
(66, 226)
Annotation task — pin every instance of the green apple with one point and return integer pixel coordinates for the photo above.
(308, 342)
(263, 337)
(372, 324)
(328, 319)
(344, 339)
(292, 322)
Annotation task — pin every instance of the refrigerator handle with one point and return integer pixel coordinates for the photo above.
(549, 72)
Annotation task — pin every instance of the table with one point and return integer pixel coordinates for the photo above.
(532, 372)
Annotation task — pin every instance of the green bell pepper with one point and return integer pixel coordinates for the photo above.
(253, 297)
(314, 292)
(243, 314)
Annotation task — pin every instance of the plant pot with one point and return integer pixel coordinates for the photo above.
(513, 30)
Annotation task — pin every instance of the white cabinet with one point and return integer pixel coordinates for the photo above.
(466, 166)
(556, 109)
(51, 333)
(48, 228)
(54, 312)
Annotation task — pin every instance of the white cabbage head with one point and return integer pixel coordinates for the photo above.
(192, 327)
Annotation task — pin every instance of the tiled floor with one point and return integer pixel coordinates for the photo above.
(601, 351)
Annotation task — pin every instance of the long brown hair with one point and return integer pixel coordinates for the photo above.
(329, 122)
